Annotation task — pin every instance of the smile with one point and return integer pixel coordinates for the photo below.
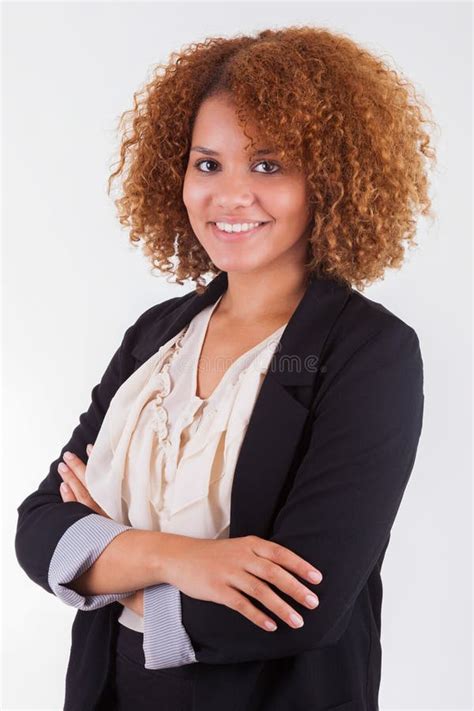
(236, 236)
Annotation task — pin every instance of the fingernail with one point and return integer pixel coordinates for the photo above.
(315, 577)
(68, 455)
(312, 600)
(270, 626)
(296, 619)
(64, 487)
(62, 467)
(88, 448)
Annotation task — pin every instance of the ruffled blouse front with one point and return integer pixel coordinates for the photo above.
(164, 458)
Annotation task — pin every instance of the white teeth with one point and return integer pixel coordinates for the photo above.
(244, 227)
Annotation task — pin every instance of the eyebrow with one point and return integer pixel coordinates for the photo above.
(210, 152)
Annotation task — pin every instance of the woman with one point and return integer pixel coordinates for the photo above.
(290, 166)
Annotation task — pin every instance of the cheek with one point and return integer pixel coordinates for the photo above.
(195, 194)
(287, 198)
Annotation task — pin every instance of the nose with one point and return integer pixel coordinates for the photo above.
(233, 192)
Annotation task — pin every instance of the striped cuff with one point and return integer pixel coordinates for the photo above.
(78, 548)
(165, 640)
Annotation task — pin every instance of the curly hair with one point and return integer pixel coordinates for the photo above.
(355, 127)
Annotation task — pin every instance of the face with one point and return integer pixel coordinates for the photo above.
(224, 184)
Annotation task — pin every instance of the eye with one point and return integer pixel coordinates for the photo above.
(270, 162)
(198, 164)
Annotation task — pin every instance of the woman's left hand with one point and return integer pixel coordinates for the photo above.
(73, 473)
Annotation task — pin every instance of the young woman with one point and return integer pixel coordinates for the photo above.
(251, 440)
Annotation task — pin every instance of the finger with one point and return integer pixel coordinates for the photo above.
(259, 590)
(78, 489)
(283, 580)
(286, 558)
(76, 465)
(66, 493)
(80, 492)
(89, 449)
(241, 604)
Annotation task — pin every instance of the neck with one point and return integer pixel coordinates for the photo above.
(261, 295)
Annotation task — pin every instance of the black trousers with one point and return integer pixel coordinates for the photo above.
(135, 688)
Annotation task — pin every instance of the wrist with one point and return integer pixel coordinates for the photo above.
(134, 602)
(139, 602)
(165, 555)
(160, 556)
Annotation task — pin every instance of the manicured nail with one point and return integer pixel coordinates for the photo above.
(315, 577)
(296, 619)
(68, 455)
(270, 626)
(89, 449)
(64, 487)
(62, 467)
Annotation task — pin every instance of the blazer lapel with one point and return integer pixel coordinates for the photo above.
(269, 451)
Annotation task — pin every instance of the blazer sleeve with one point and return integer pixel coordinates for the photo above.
(165, 641)
(77, 549)
(44, 520)
(342, 505)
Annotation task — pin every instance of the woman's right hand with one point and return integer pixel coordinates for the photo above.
(220, 570)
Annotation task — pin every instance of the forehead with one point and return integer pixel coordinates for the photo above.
(217, 130)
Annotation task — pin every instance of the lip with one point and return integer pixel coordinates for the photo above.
(237, 220)
(236, 236)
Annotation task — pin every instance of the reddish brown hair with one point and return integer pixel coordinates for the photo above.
(337, 112)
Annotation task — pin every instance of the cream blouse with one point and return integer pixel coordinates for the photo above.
(164, 458)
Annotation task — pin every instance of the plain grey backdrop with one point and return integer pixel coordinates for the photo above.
(73, 284)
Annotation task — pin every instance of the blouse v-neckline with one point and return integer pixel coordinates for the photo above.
(206, 317)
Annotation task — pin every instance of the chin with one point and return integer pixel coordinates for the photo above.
(234, 263)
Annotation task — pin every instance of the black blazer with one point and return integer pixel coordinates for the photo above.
(322, 470)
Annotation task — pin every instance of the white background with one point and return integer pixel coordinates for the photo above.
(73, 284)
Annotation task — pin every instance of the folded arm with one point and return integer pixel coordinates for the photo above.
(165, 641)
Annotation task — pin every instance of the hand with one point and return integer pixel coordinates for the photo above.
(73, 488)
(75, 481)
(219, 569)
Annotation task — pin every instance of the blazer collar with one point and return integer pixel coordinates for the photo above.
(297, 357)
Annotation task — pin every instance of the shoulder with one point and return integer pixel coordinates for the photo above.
(150, 316)
(145, 330)
(369, 341)
(365, 320)
(376, 313)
